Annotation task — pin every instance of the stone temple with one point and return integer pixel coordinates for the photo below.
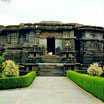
(53, 46)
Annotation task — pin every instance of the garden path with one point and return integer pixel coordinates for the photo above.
(48, 90)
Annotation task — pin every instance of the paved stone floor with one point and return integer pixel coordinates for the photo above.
(48, 90)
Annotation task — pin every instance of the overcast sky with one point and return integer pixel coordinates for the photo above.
(89, 12)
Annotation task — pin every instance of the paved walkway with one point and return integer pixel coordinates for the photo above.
(48, 90)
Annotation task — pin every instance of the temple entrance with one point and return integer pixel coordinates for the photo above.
(51, 45)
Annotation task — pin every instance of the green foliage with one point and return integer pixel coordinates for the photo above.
(1, 58)
(1, 61)
(92, 84)
(10, 69)
(17, 82)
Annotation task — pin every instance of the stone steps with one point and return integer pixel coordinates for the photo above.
(51, 59)
(50, 70)
(53, 72)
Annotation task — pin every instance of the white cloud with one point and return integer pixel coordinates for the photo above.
(7, 19)
(82, 11)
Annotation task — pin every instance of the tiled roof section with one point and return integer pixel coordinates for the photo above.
(91, 28)
(57, 24)
(1, 28)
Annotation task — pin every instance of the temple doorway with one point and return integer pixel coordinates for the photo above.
(51, 45)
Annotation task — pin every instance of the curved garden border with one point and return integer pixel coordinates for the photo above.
(92, 84)
(17, 82)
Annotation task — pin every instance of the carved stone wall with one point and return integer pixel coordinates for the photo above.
(85, 43)
(92, 47)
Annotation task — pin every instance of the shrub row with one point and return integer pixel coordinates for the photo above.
(92, 84)
(17, 82)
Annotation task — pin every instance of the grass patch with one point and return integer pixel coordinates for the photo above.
(17, 82)
(92, 84)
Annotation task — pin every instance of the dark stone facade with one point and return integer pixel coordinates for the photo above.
(73, 43)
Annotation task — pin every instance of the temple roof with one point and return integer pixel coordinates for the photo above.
(51, 25)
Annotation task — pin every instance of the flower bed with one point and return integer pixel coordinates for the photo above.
(92, 84)
(17, 82)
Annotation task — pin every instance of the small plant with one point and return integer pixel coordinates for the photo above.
(10, 69)
(95, 70)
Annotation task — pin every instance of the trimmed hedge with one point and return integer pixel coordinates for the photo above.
(17, 82)
(92, 84)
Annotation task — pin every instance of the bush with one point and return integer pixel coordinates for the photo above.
(94, 69)
(92, 84)
(10, 69)
(17, 82)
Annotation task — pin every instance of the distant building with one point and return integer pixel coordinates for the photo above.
(73, 43)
